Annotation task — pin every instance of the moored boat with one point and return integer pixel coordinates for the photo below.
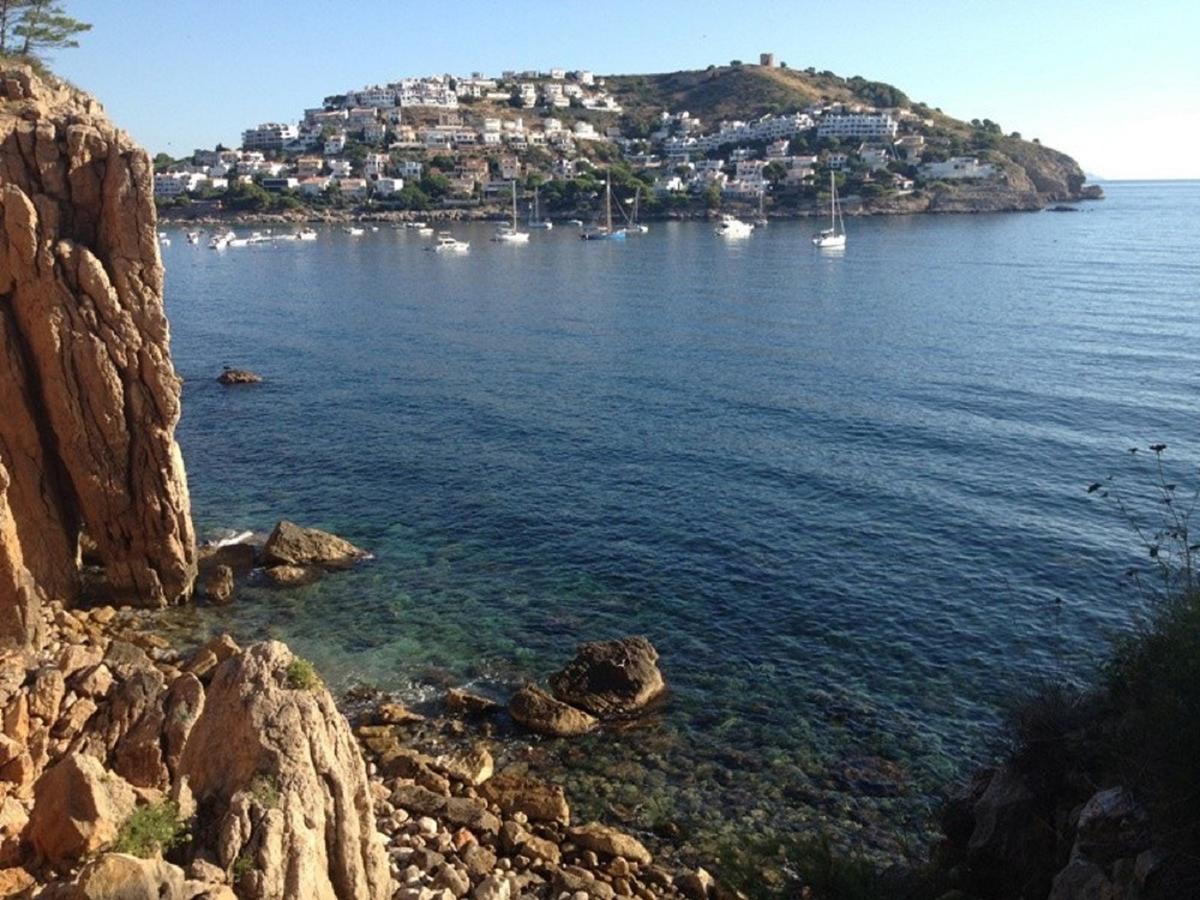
(733, 227)
(834, 236)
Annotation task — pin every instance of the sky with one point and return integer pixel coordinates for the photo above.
(1114, 84)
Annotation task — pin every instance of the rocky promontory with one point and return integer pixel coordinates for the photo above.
(90, 397)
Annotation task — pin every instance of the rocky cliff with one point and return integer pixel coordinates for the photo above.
(89, 396)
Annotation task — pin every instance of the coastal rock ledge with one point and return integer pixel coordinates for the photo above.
(89, 395)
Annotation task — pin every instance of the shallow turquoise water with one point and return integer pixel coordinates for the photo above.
(841, 494)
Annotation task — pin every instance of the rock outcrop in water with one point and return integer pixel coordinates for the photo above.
(88, 390)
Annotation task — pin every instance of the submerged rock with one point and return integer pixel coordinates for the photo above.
(611, 678)
(218, 585)
(292, 576)
(538, 711)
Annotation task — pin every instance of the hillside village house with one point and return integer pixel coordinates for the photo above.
(957, 167)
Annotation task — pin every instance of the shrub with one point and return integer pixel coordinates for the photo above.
(151, 829)
(242, 866)
(265, 790)
(302, 675)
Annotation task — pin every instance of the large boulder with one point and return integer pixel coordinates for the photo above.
(281, 785)
(1112, 824)
(78, 808)
(127, 732)
(118, 876)
(611, 678)
(292, 545)
(1014, 840)
(538, 711)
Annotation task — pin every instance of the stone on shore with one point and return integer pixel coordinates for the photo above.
(538, 800)
(464, 703)
(293, 545)
(611, 678)
(538, 711)
(238, 376)
(610, 842)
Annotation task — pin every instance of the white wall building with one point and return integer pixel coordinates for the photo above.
(957, 167)
(269, 136)
(864, 126)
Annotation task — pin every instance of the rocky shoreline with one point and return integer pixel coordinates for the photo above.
(239, 741)
(954, 201)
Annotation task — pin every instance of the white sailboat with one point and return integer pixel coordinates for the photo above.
(508, 234)
(535, 216)
(761, 221)
(604, 232)
(835, 235)
(636, 227)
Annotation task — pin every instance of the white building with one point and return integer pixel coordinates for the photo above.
(340, 168)
(353, 188)
(314, 186)
(374, 164)
(864, 126)
(385, 187)
(957, 167)
(409, 168)
(269, 136)
(335, 144)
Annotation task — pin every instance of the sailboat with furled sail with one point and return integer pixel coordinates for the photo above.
(604, 232)
(508, 233)
(535, 215)
(835, 235)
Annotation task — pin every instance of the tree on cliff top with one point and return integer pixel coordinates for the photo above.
(30, 26)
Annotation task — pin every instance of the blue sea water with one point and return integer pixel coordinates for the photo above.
(843, 494)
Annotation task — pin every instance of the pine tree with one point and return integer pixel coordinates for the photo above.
(45, 25)
(10, 18)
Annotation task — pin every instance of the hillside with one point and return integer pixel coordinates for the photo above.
(750, 91)
(736, 137)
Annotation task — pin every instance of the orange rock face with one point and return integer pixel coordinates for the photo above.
(89, 398)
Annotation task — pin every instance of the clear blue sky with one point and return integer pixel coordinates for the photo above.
(1094, 79)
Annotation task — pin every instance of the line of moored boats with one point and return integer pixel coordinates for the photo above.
(833, 237)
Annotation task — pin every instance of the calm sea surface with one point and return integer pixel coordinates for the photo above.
(843, 495)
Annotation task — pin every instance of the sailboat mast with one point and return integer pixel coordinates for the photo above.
(608, 201)
(832, 202)
(514, 203)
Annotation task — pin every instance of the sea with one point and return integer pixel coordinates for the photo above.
(844, 494)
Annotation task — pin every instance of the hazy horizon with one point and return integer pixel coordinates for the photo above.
(217, 68)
